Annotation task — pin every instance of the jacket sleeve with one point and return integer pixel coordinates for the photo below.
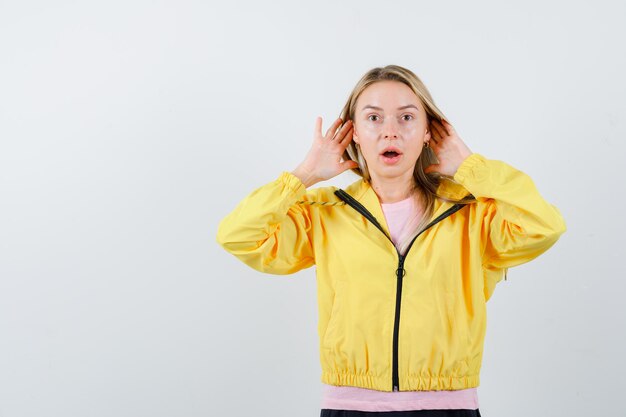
(518, 224)
(268, 230)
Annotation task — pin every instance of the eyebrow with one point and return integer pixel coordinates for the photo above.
(399, 108)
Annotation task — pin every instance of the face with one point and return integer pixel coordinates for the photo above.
(390, 126)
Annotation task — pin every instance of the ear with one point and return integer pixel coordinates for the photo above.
(355, 137)
(427, 135)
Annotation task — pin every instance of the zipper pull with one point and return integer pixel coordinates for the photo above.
(400, 272)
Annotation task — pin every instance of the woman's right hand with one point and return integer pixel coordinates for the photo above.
(324, 159)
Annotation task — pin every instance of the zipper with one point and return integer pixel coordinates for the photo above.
(400, 271)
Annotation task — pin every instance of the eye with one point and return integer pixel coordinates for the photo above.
(410, 117)
(370, 117)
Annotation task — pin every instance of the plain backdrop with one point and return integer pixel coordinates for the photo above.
(129, 129)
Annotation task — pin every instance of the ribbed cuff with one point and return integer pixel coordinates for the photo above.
(470, 168)
(292, 183)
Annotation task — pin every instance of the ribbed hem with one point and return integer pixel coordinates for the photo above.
(469, 166)
(433, 383)
(362, 381)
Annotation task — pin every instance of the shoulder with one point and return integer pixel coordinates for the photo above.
(327, 195)
(320, 196)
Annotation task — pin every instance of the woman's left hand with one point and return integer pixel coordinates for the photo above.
(451, 151)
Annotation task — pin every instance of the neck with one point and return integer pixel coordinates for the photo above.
(392, 190)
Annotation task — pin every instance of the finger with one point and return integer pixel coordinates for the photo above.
(341, 132)
(434, 137)
(345, 130)
(346, 165)
(347, 137)
(332, 128)
(438, 128)
(318, 126)
(430, 168)
(447, 127)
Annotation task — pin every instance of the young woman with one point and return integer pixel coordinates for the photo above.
(406, 257)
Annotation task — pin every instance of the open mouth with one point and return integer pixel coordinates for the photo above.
(391, 155)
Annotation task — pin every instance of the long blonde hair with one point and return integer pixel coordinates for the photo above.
(426, 184)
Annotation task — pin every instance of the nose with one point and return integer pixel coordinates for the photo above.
(390, 128)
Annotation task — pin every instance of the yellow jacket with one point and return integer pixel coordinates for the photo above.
(387, 321)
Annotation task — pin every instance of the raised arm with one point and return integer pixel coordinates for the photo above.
(268, 231)
(518, 224)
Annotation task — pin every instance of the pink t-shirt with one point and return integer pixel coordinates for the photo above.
(402, 218)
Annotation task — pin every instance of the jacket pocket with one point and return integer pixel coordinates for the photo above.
(334, 328)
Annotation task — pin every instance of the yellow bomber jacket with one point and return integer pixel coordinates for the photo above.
(387, 321)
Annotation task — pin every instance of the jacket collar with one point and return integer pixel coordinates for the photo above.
(363, 192)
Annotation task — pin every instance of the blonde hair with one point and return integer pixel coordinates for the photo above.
(426, 184)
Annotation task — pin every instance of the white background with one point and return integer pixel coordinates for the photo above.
(129, 129)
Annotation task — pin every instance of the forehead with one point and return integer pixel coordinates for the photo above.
(388, 95)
